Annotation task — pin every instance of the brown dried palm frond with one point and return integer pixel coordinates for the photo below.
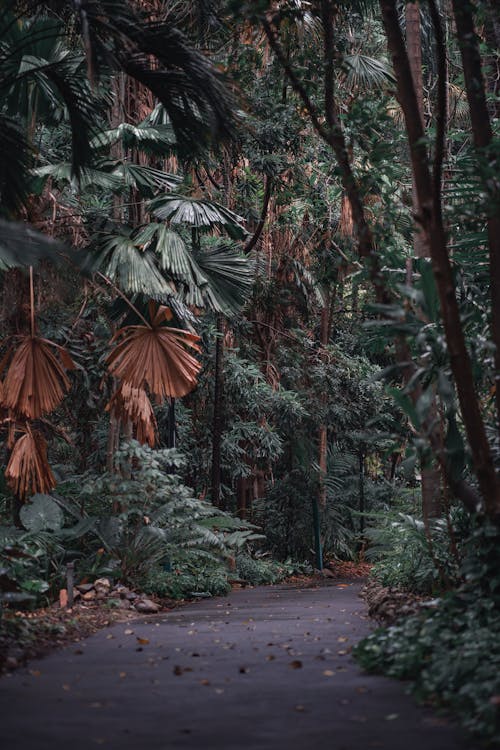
(28, 470)
(36, 381)
(133, 404)
(155, 357)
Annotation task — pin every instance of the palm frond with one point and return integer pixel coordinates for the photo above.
(157, 139)
(15, 161)
(41, 75)
(160, 57)
(230, 278)
(28, 471)
(20, 245)
(142, 177)
(36, 381)
(155, 357)
(198, 213)
(366, 72)
(133, 404)
(89, 177)
(174, 256)
(130, 268)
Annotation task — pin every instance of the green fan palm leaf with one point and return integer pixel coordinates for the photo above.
(198, 213)
(158, 139)
(130, 268)
(230, 278)
(20, 245)
(367, 72)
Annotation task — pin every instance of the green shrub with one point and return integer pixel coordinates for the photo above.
(188, 579)
(408, 557)
(262, 570)
(451, 650)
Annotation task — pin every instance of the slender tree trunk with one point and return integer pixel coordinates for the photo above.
(217, 425)
(361, 458)
(323, 430)
(171, 433)
(430, 473)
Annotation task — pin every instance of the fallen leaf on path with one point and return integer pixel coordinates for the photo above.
(126, 632)
(296, 664)
(142, 641)
(328, 673)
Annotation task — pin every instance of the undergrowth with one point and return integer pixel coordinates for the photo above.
(451, 650)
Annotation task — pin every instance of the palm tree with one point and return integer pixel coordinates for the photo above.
(42, 81)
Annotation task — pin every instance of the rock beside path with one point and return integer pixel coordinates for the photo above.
(103, 592)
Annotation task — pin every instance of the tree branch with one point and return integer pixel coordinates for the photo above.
(334, 137)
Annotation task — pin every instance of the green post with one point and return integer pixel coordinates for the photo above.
(317, 536)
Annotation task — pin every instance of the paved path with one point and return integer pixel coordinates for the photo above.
(265, 668)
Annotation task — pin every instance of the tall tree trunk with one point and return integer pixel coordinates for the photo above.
(430, 472)
(217, 425)
(323, 441)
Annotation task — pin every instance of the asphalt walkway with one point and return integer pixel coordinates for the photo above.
(262, 669)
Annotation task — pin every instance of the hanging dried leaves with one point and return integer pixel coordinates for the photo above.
(133, 404)
(28, 470)
(36, 381)
(155, 357)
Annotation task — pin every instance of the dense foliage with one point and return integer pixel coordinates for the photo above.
(249, 262)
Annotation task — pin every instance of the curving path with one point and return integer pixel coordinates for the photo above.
(265, 668)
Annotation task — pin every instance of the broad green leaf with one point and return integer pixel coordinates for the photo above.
(42, 513)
